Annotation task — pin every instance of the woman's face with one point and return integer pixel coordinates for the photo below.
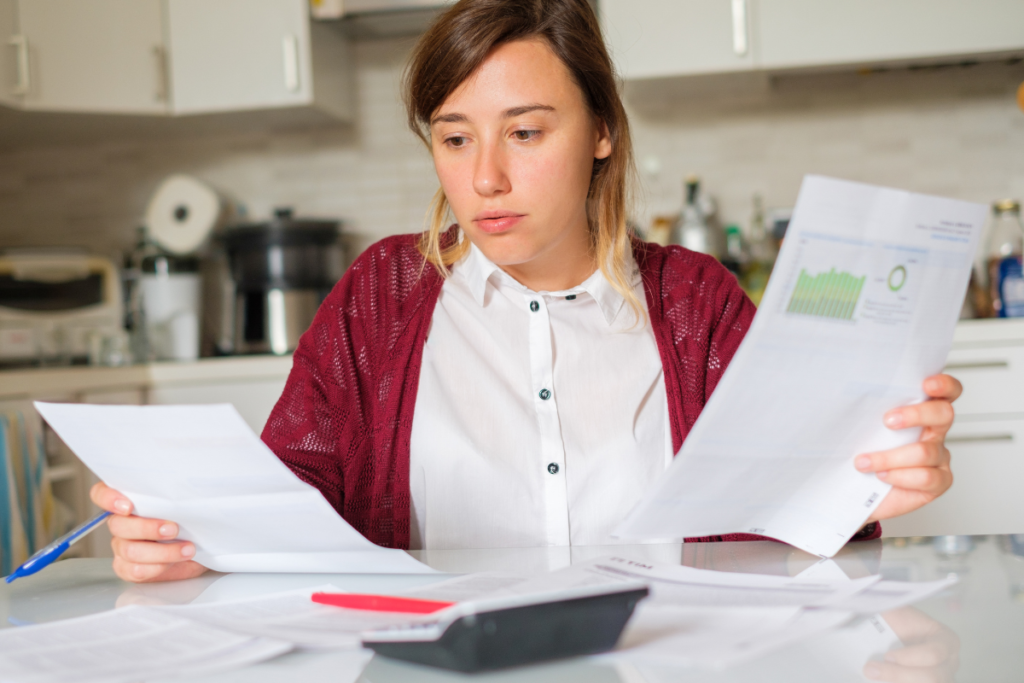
(514, 148)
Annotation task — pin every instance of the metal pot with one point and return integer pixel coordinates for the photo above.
(281, 271)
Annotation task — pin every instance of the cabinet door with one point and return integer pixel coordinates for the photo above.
(992, 378)
(9, 54)
(101, 56)
(988, 471)
(795, 33)
(252, 399)
(652, 38)
(238, 54)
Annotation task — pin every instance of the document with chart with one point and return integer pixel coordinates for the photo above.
(860, 309)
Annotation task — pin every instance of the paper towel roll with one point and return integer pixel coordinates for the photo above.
(181, 214)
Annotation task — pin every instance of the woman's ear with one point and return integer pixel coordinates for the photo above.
(603, 141)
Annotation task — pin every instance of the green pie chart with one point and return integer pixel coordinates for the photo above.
(897, 278)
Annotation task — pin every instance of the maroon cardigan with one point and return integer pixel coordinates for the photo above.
(344, 421)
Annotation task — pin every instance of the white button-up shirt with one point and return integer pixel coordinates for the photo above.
(541, 417)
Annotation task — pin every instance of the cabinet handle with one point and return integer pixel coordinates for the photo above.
(975, 438)
(162, 92)
(24, 83)
(291, 63)
(978, 365)
(739, 27)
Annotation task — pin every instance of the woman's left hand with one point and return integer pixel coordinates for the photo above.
(919, 472)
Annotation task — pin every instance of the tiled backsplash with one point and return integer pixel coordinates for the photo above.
(954, 131)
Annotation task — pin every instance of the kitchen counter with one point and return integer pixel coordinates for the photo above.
(59, 381)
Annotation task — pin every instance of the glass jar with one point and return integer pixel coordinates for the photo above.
(1004, 265)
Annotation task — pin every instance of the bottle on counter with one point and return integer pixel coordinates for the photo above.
(735, 259)
(1004, 261)
(693, 230)
(762, 254)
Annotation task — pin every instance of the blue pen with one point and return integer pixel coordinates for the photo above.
(50, 553)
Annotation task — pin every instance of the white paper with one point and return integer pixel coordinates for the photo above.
(203, 468)
(293, 617)
(467, 587)
(688, 587)
(887, 595)
(130, 644)
(717, 637)
(772, 452)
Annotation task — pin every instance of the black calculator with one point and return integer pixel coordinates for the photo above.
(514, 630)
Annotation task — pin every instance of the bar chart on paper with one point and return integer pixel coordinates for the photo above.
(827, 295)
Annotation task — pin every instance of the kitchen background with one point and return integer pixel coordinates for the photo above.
(954, 131)
(948, 124)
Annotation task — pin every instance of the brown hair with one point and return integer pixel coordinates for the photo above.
(459, 41)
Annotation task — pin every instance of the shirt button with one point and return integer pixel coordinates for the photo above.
(534, 306)
(571, 297)
(544, 394)
(553, 468)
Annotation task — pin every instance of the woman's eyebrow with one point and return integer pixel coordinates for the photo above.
(525, 109)
(450, 118)
(456, 117)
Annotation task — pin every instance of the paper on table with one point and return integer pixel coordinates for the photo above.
(887, 595)
(291, 616)
(689, 587)
(467, 587)
(129, 644)
(860, 309)
(202, 467)
(711, 637)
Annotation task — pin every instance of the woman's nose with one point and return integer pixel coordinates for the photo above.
(489, 176)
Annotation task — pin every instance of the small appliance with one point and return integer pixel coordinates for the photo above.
(280, 270)
(56, 306)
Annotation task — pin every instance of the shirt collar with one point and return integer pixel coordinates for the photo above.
(478, 270)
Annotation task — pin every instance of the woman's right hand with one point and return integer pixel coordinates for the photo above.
(138, 557)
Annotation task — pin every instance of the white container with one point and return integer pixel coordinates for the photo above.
(171, 302)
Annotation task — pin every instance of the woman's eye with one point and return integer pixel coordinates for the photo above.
(525, 135)
(456, 141)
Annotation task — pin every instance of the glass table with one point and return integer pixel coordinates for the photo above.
(973, 631)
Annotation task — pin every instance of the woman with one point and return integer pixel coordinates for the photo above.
(520, 378)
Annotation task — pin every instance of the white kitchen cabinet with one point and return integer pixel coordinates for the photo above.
(9, 52)
(988, 474)
(652, 38)
(987, 439)
(810, 33)
(172, 57)
(253, 399)
(238, 54)
(660, 38)
(91, 56)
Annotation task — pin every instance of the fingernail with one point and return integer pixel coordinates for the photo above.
(188, 550)
(882, 475)
(168, 531)
(862, 463)
(894, 420)
(872, 671)
(122, 506)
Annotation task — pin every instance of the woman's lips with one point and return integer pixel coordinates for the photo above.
(498, 223)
